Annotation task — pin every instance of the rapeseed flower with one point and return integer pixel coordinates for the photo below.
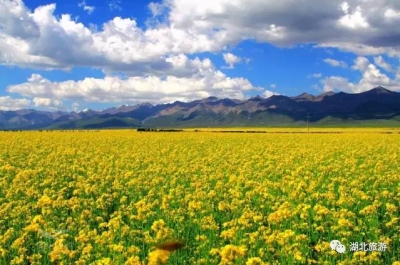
(235, 198)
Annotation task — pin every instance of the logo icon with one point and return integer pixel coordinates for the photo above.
(337, 246)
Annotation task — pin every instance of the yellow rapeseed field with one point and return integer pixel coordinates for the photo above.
(110, 197)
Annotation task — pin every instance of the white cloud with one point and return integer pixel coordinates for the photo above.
(75, 106)
(231, 59)
(35, 38)
(8, 103)
(156, 9)
(360, 25)
(47, 102)
(361, 49)
(268, 93)
(137, 89)
(382, 64)
(371, 77)
(392, 14)
(42, 40)
(182, 66)
(333, 83)
(345, 7)
(273, 86)
(315, 75)
(353, 21)
(120, 47)
(154, 57)
(361, 64)
(335, 63)
(87, 8)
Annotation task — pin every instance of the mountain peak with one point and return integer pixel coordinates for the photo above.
(326, 94)
(375, 104)
(304, 96)
(380, 90)
(146, 104)
(212, 98)
(209, 99)
(85, 110)
(256, 98)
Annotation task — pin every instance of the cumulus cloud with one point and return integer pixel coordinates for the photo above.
(188, 79)
(393, 14)
(38, 38)
(8, 103)
(268, 93)
(231, 59)
(355, 20)
(361, 64)
(47, 102)
(382, 64)
(371, 77)
(362, 49)
(333, 83)
(154, 60)
(363, 26)
(156, 9)
(335, 63)
(135, 89)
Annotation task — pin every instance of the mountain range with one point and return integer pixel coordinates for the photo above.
(377, 106)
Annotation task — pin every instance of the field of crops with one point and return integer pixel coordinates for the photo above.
(109, 197)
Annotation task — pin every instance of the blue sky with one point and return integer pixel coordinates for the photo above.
(72, 55)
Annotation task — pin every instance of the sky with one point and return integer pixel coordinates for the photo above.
(74, 55)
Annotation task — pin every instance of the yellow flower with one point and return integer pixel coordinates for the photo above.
(391, 208)
(298, 255)
(44, 201)
(392, 222)
(271, 196)
(117, 248)
(359, 254)
(104, 261)
(32, 228)
(158, 257)
(208, 222)
(254, 261)
(133, 250)
(59, 250)
(321, 210)
(38, 219)
(18, 243)
(230, 252)
(229, 234)
(35, 259)
(17, 260)
(123, 199)
(87, 249)
(368, 210)
(133, 261)
(3, 252)
(344, 223)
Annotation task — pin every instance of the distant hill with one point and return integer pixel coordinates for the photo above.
(378, 106)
